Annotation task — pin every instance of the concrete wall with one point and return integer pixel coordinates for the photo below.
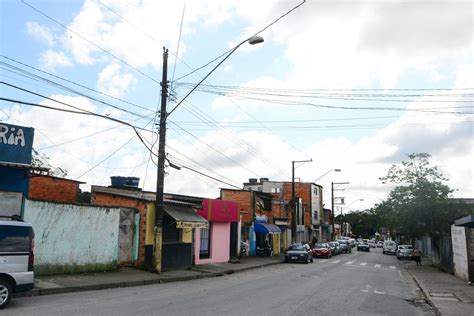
(72, 238)
(460, 253)
(220, 242)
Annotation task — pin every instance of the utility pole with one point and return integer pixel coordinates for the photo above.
(332, 206)
(159, 205)
(294, 197)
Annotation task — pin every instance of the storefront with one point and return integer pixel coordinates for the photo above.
(267, 236)
(178, 223)
(219, 241)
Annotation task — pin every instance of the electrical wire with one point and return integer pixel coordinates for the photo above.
(90, 42)
(230, 51)
(72, 82)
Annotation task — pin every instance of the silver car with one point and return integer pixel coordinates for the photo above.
(16, 259)
(405, 252)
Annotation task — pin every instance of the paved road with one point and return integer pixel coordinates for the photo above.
(355, 284)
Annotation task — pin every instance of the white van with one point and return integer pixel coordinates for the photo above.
(389, 247)
(16, 259)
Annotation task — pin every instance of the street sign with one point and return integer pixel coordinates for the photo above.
(16, 143)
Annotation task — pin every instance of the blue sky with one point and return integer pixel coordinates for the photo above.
(322, 45)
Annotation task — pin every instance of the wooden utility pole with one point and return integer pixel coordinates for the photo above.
(159, 204)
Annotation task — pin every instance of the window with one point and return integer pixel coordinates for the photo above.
(205, 249)
(276, 190)
(14, 239)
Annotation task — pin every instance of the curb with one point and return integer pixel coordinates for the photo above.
(424, 292)
(96, 287)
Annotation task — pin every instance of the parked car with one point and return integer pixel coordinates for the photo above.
(363, 246)
(16, 259)
(380, 244)
(404, 252)
(322, 250)
(372, 244)
(389, 247)
(297, 252)
(336, 248)
(345, 247)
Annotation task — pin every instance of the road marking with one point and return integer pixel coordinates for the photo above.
(337, 261)
(349, 262)
(377, 292)
(365, 291)
(378, 265)
(392, 267)
(363, 263)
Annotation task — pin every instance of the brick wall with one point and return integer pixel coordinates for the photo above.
(243, 200)
(302, 190)
(105, 199)
(53, 189)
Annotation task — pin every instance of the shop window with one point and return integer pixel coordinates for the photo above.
(205, 249)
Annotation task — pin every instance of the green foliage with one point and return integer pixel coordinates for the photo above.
(419, 205)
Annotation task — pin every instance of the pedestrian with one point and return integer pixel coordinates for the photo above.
(417, 256)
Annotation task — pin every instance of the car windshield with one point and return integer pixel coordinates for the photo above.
(320, 246)
(296, 247)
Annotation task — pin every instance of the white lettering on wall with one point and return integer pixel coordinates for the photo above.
(12, 136)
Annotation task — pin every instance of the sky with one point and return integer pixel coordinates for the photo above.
(350, 85)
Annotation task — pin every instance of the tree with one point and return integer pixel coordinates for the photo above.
(419, 205)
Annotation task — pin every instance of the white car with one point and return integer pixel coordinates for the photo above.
(16, 259)
(389, 247)
(372, 244)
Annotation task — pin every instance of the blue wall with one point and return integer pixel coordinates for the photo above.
(14, 180)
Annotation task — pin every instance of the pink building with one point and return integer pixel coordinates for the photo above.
(212, 245)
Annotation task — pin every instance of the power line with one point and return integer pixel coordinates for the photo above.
(90, 42)
(179, 40)
(232, 49)
(71, 82)
(230, 53)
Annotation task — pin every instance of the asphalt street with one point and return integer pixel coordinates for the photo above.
(357, 284)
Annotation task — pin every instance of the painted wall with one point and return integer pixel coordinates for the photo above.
(14, 180)
(460, 258)
(220, 240)
(72, 238)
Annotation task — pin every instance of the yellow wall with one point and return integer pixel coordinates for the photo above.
(187, 235)
(276, 244)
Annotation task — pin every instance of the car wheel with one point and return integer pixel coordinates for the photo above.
(383, 252)
(5, 293)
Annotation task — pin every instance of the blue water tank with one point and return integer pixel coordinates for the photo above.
(133, 182)
(119, 181)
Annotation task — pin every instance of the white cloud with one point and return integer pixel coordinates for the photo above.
(50, 60)
(40, 32)
(114, 82)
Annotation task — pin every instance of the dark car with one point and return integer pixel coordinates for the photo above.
(298, 252)
(322, 251)
(363, 246)
(345, 247)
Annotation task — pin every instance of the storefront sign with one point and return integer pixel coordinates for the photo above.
(16, 143)
(219, 211)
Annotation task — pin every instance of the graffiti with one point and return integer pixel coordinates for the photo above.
(12, 136)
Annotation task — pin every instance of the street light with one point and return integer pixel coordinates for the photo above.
(335, 170)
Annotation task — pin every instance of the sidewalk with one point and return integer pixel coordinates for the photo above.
(449, 294)
(126, 277)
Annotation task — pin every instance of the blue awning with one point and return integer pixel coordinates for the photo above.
(265, 228)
